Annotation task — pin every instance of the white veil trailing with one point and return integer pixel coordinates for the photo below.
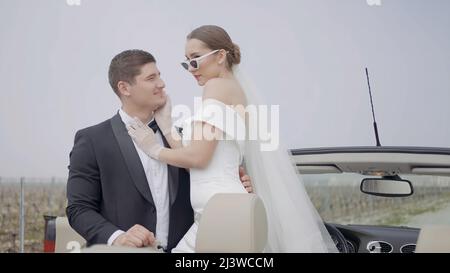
(294, 224)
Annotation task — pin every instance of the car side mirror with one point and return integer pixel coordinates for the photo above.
(387, 187)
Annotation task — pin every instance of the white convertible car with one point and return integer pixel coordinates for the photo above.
(381, 199)
(373, 199)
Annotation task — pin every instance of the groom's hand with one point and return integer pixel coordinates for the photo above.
(136, 236)
(245, 179)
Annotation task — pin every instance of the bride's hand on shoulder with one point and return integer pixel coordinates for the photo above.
(246, 181)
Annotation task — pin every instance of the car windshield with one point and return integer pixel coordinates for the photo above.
(339, 200)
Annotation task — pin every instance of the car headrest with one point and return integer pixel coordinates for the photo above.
(434, 239)
(233, 222)
(67, 239)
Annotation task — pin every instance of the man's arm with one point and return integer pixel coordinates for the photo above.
(84, 193)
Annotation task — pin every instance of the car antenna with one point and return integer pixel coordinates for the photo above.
(373, 111)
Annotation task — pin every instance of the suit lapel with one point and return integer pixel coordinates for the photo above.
(131, 157)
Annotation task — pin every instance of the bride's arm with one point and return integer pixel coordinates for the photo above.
(197, 154)
(203, 142)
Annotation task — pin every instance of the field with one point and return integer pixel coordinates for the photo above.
(338, 204)
(40, 199)
(347, 205)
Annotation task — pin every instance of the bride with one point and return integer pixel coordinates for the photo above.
(213, 151)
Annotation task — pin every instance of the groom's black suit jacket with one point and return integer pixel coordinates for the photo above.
(107, 188)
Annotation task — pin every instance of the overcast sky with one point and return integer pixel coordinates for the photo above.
(306, 56)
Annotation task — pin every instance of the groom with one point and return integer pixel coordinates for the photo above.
(117, 195)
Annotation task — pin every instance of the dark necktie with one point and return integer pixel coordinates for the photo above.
(153, 125)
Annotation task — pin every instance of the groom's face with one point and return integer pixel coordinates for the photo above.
(147, 91)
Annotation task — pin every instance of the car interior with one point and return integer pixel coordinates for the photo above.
(388, 164)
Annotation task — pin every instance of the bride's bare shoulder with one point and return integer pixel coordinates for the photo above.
(219, 89)
(225, 90)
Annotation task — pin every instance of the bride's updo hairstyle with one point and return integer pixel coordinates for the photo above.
(216, 37)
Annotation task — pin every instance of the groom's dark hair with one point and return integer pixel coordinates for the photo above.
(126, 65)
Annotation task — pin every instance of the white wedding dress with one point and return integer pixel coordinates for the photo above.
(294, 224)
(221, 175)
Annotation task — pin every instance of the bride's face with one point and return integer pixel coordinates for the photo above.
(208, 67)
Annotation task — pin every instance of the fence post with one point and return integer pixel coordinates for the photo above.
(22, 215)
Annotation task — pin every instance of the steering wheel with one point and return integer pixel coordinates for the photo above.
(338, 238)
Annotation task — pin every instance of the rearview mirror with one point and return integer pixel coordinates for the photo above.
(387, 187)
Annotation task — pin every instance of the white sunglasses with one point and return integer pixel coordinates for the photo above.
(195, 63)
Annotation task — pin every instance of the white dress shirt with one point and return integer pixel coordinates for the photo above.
(156, 174)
